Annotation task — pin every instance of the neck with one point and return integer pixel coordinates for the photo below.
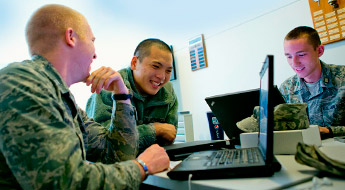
(316, 75)
(60, 63)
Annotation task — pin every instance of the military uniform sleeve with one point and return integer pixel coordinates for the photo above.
(172, 115)
(118, 142)
(284, 92)
(41, 147)
(338, 130)
(99, 107)
(147, 132)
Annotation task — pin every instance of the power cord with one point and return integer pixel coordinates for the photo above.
(190, 181)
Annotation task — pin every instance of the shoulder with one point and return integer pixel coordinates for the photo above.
(126, 76)
(337, 73)
(290, 83)
(125, 72)
(20, 71)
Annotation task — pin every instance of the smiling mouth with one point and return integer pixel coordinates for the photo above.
(299, 69)
(156, 84)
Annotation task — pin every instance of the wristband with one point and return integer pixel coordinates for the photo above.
(122, 96)
(142, 163)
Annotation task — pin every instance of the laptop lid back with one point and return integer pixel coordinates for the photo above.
(265, 143)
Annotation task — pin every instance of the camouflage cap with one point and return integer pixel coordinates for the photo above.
(290, 116)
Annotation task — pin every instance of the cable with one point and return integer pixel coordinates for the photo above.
(190, 181)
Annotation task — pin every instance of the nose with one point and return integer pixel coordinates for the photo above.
(295, 60)
(161, 74)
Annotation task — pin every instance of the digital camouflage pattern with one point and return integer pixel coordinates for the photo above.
(45, 139)
(327, 108)
(310, 155)
(161, 108)
(286, 117)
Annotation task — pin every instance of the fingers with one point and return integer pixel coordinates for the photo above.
(102, 78)
(155, 158)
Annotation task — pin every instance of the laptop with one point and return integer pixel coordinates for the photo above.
(231, 108)
(241, 162)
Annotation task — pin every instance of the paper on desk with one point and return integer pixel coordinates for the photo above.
(174, 163)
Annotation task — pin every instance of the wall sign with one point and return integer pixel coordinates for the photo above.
(328, 19)
(197, 53)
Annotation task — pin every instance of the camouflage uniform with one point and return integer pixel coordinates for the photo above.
(327, 108)
(161, 108)
(46, 139)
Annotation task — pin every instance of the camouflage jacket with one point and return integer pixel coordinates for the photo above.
(161, 108)
(327, 108)
(45, 139)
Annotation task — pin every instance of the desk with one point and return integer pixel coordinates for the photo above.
(291, 174)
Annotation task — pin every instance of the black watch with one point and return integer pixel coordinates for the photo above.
(122, 96)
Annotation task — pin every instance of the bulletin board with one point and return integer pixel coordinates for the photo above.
(197, 53)
(328, 20)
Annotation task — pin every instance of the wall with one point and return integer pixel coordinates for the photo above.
(237, 39)
(235, 57)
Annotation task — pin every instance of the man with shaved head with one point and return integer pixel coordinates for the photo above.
(47, 141)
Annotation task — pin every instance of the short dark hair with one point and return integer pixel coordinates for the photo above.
(144, 47)
(305, 31)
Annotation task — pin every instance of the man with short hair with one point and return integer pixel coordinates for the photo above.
(46, 140)
(320, 85)
(154, 98)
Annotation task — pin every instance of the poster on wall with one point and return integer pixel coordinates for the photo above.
(197, 53)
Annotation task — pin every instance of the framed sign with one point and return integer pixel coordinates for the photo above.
(197, 53)
(328, 19)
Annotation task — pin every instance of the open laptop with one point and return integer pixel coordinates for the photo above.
(231, 108)
(242, 162)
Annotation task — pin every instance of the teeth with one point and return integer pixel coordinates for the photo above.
(299, 69)
(157, 84)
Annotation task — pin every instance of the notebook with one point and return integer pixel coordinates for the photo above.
(231, 108)
(241, 162)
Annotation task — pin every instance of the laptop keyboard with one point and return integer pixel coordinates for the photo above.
(233, 156)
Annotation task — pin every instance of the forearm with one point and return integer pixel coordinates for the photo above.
(119, 142)
(147, 136)
(338, 130)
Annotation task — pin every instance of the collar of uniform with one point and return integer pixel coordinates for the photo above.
(326, 76)
(53, 74)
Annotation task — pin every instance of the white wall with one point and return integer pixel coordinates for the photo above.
(235, 58)
(237, 37)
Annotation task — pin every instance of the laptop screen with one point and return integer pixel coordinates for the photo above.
(266, 113)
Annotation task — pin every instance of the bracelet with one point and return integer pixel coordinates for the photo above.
(142, 163)
(122, 96)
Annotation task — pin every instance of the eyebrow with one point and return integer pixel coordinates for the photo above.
(162, 65)
(302, 51)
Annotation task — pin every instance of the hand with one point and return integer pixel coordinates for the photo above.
(155, 158)
(165, 132)
(107, 78)
(323, 129)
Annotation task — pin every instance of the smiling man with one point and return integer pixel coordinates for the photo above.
(154, 98)
(46, 140)
(320, 85)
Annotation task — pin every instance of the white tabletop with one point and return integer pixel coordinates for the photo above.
(291, 174)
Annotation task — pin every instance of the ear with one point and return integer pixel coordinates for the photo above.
(134, 62)
(70, 37)
(320, 50)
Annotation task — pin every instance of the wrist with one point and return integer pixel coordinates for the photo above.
(122, 96)
(144, 167)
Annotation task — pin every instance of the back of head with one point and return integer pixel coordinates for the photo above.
(305, 31)
(48, 25)
(144, 47)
